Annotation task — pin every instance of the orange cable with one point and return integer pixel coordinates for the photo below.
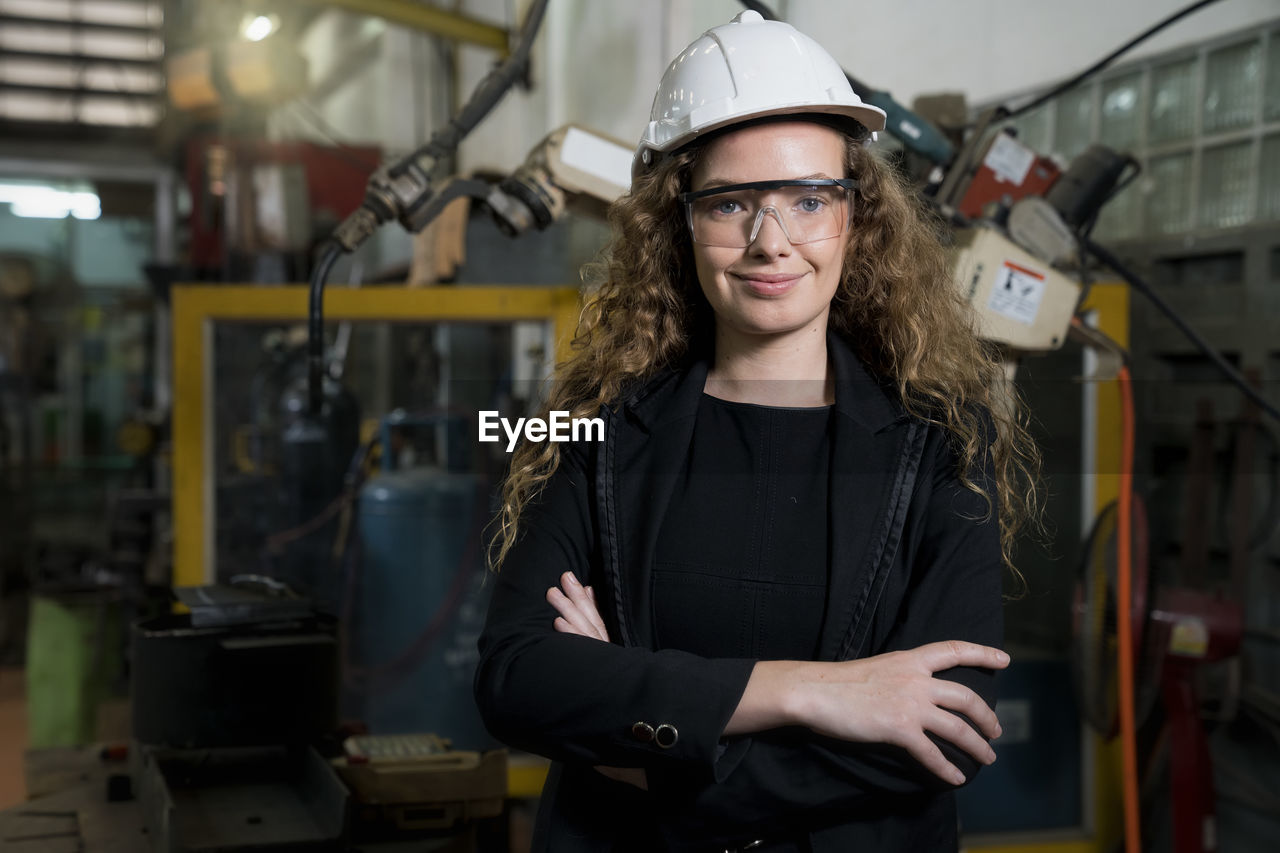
(1124, 606)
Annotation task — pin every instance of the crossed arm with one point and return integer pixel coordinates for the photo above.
(835, 732)
(890, 698)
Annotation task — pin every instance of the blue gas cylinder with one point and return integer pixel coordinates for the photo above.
(420, 601)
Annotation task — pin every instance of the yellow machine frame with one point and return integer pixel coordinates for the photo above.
(196, 308)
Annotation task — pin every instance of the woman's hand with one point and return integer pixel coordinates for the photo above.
(577, 607)
(890, 698)
(580, 615)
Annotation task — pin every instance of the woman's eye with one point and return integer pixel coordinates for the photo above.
(726, 207)
(811, 204)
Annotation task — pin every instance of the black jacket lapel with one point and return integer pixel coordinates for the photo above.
(875, 454)
(646, 447)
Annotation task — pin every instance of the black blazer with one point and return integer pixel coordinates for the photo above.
(915, 559)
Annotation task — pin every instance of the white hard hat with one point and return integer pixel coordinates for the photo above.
(745, 69)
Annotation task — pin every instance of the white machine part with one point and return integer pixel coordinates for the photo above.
(583, 161)
(572, 167)
(1020, 301)
(1036, 226)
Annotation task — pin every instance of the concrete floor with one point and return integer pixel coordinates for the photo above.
(13, 736)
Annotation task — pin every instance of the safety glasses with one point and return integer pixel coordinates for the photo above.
(807, 210)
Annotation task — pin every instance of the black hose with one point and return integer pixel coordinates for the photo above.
(374, 210)
(330, 250)
(1109, 58)
(1216, 357)
(487, 94)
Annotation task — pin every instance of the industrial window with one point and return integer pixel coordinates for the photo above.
(1226, 185)
(1122, 111)
(1271, 89)
(1075, 122)
(1202, 121)
(1232, 79)
(1172, 116)
(81, 62)
(1269, 178)
(1168, 194)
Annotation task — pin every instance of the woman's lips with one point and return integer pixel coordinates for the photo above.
(769, 284)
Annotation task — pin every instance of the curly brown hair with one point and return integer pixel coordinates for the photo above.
(895, 305)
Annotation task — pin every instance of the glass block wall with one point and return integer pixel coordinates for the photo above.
(1204, 123)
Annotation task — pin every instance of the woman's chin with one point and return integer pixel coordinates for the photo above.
(772, 327)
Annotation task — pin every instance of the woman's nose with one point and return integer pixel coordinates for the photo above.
(771, 237)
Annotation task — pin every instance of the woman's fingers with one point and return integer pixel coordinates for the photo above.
(955, 730)
(951, 653)
(570, 620)
(927, 753)
(577, 609)
(596, 619)
(585, 599)
(957, 697)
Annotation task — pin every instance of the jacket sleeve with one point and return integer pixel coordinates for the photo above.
(950, 591)
(572, 698)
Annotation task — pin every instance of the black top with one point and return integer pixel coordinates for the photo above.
(742, 556)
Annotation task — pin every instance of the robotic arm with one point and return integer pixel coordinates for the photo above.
(572, 168)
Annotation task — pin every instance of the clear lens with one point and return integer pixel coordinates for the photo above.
(732, 218)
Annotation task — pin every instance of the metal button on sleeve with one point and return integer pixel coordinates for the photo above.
(666, 736)
(642, 732)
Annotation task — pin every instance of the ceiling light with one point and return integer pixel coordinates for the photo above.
(258, 27)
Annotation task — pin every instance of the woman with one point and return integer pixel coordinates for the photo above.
(763, 612)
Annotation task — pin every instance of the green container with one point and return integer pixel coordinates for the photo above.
(73, 657)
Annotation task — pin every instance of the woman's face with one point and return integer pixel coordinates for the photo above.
(771, 288)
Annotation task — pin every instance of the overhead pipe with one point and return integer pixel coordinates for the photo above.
(420, 16)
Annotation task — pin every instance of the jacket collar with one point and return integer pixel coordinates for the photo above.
(674, 393)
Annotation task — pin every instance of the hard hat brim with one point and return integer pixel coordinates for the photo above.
(858, 122)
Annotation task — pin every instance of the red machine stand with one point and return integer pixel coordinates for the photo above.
(1195, 628)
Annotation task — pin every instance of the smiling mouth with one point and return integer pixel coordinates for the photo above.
(772, 284)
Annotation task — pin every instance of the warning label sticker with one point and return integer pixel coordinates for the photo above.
(1009, 159)
(1017, 293)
